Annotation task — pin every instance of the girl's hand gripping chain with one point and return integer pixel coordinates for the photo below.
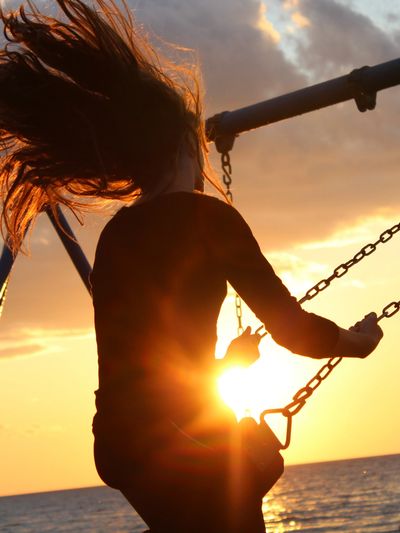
(243, 351)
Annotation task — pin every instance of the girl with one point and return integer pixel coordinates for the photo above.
(88, 111)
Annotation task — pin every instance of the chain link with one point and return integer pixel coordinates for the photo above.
(390, 310)
(227, 174)
(239, 313)
(343, 268)
(227, 179)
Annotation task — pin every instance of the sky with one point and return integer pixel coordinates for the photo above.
(314, 190)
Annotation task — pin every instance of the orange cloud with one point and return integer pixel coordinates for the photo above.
(266, 25)
(300, 20)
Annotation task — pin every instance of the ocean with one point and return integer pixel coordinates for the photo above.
(357, 495)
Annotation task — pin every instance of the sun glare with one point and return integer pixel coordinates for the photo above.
(232, 385)
(268, 383)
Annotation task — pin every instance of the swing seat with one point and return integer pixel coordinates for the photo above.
(263, 447)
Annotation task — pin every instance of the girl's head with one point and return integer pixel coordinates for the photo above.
(87, 110)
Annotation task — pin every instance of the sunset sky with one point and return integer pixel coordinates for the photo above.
(314, 189)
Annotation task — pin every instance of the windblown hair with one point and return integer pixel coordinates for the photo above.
(86, 110)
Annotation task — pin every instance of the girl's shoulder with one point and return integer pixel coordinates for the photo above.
(180, 207)
(176, 202)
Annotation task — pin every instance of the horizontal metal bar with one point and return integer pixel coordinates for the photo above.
(362, 81)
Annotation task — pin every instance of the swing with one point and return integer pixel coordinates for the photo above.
(262, 445)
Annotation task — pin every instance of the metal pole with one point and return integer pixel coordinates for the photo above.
(6, 263)
(361, 85)
(71, 245)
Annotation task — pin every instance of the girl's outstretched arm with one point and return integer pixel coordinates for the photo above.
(302, 332)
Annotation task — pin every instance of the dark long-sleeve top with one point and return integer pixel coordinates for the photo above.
(159, 279)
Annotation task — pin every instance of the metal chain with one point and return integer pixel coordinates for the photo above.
(227, 179)
(302, 395)
(389, 310)
(343, 268)
(299, 399)
(227, 174)
(3, 295)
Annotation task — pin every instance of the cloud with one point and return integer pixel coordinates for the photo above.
(24, 342)
(23, 349)
(290, 4)
(240, 64)
(363, 232)
(285, 261)
(300, 20)
(40, 333)
(266, 26)
(339, 38)
(297, 273)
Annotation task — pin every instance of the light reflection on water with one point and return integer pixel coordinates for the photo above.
(357, 495)
(274, 510)
(360, 495)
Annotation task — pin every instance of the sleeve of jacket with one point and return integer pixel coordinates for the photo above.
(252, 276)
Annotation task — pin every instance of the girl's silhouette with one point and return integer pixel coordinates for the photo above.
(88, 110)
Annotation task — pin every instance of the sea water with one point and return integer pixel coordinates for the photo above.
(357, 495)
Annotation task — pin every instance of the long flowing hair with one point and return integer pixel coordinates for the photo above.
(87, 109)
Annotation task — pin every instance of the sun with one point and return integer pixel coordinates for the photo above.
(268, 383)
(233, 389)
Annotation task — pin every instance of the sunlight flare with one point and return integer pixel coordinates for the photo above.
(268, 383)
